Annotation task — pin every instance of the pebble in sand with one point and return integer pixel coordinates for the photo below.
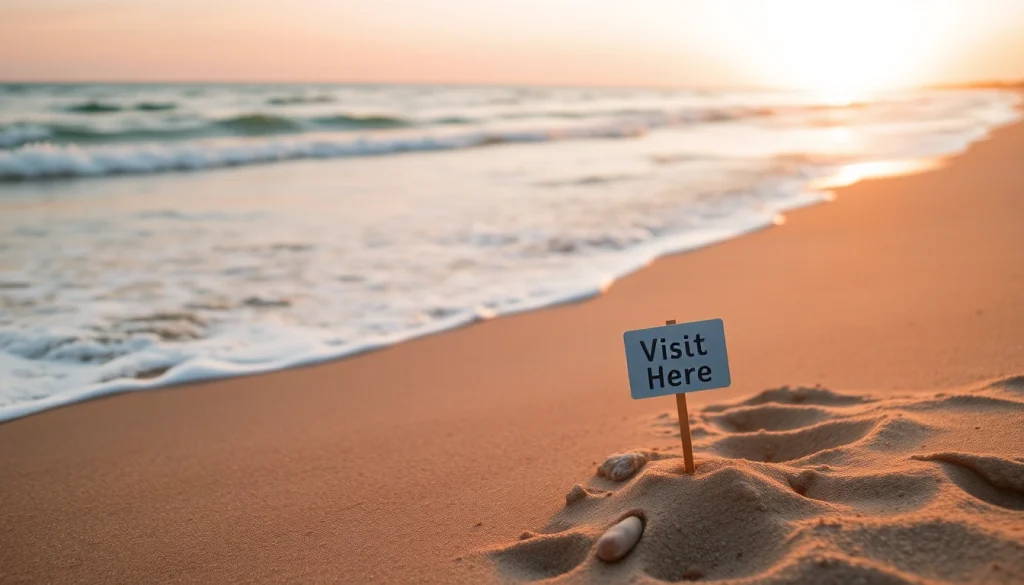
(617, 541)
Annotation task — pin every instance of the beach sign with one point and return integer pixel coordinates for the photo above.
(676, 359)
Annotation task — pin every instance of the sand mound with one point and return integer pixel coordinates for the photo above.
(806, 486)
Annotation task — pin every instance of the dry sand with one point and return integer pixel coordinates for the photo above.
(807, 485)
(426, 461)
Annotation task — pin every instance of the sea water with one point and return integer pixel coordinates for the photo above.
(153, 234)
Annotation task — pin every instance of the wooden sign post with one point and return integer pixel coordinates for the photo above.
(676, 359)
(684, 425)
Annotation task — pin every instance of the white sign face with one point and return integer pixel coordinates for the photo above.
(674, 359)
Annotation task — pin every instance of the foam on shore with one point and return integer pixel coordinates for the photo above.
(177, 277)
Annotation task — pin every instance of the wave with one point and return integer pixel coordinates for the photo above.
(155, 106)
(454, 120)
(263, 138)
(179, 356)
(44, 151)
(96, 107)
(371, 122)
(663, 115)
(93, 107)
(259, 124)
(47, 161)
(19, 134)
(265, 124)
(300, 99)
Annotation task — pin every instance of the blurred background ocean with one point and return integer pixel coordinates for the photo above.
(355, 216)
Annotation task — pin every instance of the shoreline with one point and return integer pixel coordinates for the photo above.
(460, 441)
(818, 191)
(194, 327)
(815, 191)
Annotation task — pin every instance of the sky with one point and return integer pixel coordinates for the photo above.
(830, 45)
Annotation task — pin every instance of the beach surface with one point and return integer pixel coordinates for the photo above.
(427, 461)
(802, 485)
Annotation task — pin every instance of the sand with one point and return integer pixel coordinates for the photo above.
(427, 461)
(807, 485)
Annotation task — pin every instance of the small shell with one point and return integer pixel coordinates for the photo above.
(618, 540)
(576, 494)
(622, 466)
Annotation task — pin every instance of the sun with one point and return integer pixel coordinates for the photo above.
(843, 50)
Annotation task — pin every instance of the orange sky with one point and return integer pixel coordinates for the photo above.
(823, 44)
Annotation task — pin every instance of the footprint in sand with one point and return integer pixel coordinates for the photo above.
(994, 480)
(807, 485)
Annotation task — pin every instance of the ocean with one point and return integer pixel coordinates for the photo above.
(156, 234)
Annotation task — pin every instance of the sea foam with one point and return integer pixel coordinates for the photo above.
(174, 277)
(44, 160)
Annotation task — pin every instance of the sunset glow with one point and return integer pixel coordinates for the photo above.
(844, 50)
(867, 47)
(839, 48)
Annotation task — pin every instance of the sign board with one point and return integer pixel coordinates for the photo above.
(678, 358)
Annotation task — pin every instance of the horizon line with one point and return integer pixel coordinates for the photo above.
(988, 83)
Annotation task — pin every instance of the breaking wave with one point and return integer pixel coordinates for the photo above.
(47, 161)
(98, 107)
(153, 283)
(179, 125)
